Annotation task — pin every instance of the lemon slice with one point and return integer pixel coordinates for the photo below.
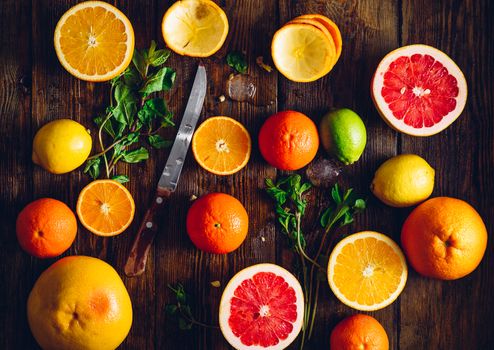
(94, 41)
(367, 271)
(302, 52)
(196, 28)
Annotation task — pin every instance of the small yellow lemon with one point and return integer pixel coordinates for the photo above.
(79, 303)
(403, 181)
(61, 146)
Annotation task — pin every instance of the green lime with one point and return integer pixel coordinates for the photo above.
(343, 135)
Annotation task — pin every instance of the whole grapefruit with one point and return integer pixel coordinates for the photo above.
(288, 140)
(444, 238)
(79, 303)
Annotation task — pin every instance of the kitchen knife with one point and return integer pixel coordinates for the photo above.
(136, 262)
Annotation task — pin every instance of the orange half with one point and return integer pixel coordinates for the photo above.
(105, 207)
(367, 271)
(221, 145)
(94, 41)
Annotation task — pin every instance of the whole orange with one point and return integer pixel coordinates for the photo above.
(288, 140)
(46, 228)
(217, 223)
(79, 303)
(444, 238)
(359, 332)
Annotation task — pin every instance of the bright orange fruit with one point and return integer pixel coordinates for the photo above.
(367, 271)
(221, 145)
(288, 140)
(94, 41)
(46, 228)
(444, 238)
(359, 332)
(105, 207)
(217, 223)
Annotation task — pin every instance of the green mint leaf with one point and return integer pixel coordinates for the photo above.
(158, 57)
(359, 205)
(92, 167)
(158, 142)
(325, 217)
(347, 219)
(237, 61)
(131, 138)
(135, 156)
(305, 187)
(121, 178)
(155, 108)
(335, 193)
(140, 61)
(162, 80)
(269, 183)
(126, 107)
(184, 325)
(108, 128)
(151, 49)
(171, 309)
(132, 77)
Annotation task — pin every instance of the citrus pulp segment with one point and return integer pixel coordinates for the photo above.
(331, 27)
(196, 28)
(105, 207)
(302, 52)
(322, 28)
(419, 90)
(367, 271)
(94, 41)
(262, 307)
(221, 145)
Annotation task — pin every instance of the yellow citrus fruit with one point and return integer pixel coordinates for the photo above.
(94, 41)
(302, 52)
(196, 28)
(79, 303)
(61, 146)
(221, 145)
(105, 207)
(403, 181)
(367, 271)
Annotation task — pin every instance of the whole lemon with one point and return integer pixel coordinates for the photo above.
(403, 181)
(61, 146)
(343, 135)
(79, 303)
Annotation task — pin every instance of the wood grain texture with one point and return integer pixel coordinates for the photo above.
(35, 89)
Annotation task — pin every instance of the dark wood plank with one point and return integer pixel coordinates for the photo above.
(369, 29)
(456, 314)
(176, 258)
(16, 186)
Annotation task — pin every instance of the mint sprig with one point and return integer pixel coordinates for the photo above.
(136, 114)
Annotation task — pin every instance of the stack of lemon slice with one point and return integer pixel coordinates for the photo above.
(306, 48)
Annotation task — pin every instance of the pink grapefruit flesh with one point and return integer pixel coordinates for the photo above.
(262, 308)
(419, 90)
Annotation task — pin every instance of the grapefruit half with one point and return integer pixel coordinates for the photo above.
(419, 90)
(262, 307)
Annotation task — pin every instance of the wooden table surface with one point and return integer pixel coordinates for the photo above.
(35, 89)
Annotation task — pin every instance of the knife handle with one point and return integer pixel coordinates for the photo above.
(136, 262)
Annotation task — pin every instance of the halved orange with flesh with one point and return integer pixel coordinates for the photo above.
(367, 271)
(221, 145)
(94, 41)
(105, 207)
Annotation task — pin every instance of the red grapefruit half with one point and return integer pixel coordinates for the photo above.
(262, 307)
(419, 90)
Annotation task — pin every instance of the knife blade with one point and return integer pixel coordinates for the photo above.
(136, 261)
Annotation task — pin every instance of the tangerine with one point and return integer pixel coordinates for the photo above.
(46, 228)
(217, 223)
(288, 140)
(359, 332)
